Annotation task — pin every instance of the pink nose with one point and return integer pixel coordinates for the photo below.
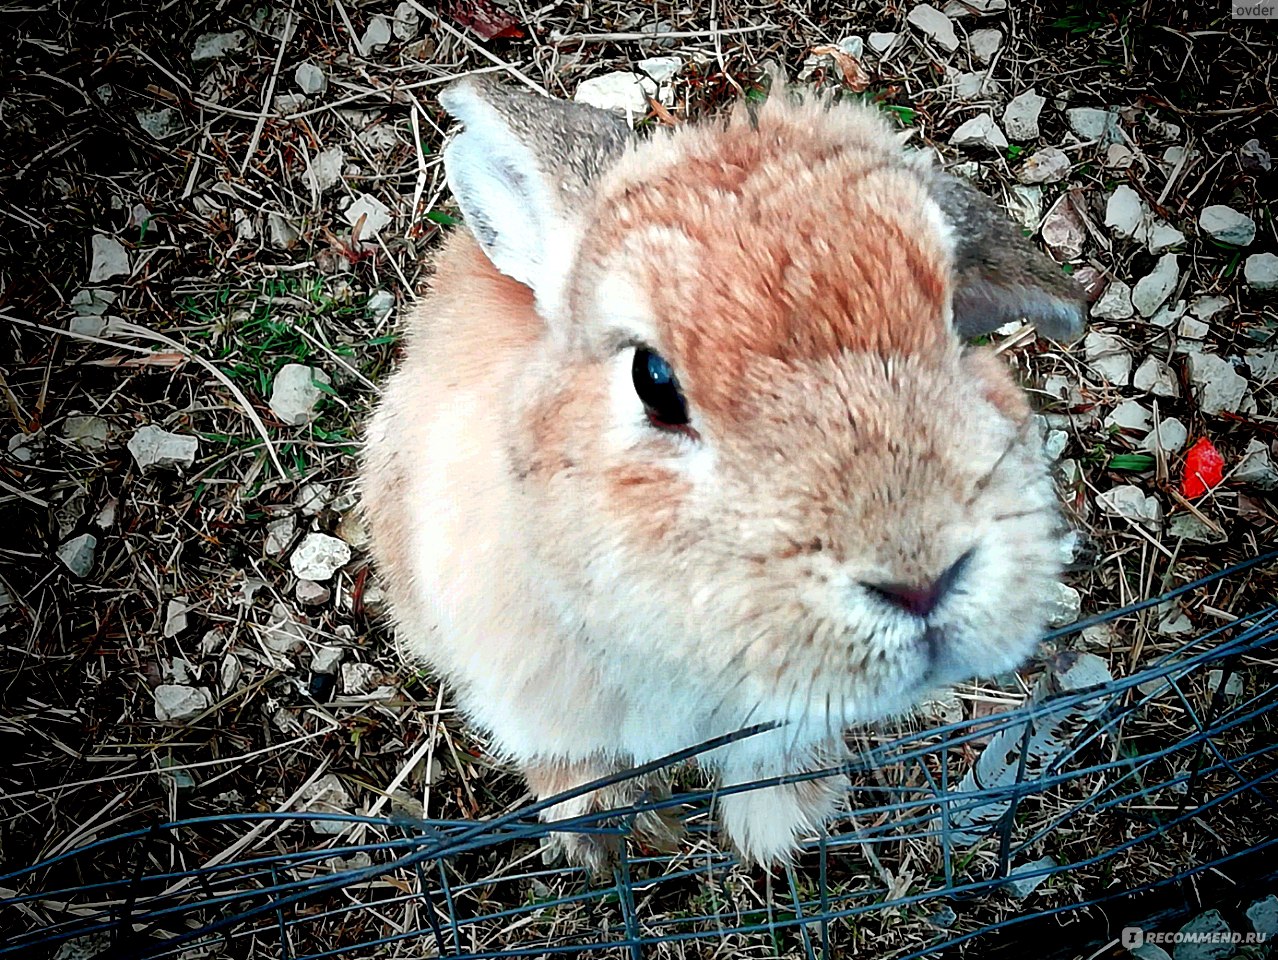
(920, 599)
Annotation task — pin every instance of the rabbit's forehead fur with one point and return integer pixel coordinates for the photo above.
(797, 234)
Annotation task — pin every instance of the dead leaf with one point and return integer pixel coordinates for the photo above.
(854, 74)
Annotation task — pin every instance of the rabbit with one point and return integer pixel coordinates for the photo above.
(687, 437)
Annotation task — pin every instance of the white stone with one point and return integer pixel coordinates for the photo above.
(1063, 230)
(1125, 212)
(310, 79)
(279, 534)
(325, 168)
(1021, 887)
(311, 594)
(359, 678)
(1255, 157)
(376, 35)
(935, 24)
(881, 43)
(1108, 357)
(1130, 416)
(1217, 385)
(663, 69)
(161, 124)
(974, 86)
(229, 673)
(1257, 467)
(621, 91)
(1193, 329)
(1263, 914)
(1025, 204)
(296, 391)
(312, 498)
(1263, 365)
(215, 46)
(108, 258)
(1186, 526)
(1161, 236)
(984, 44)
(1046, 166)
(1066, 605)
(1204, 308)
(1130, 501)
(327, 795)
(1261, 272)
(319, 556)
(1054, 444)
(1093, 123)
(1227, 225)
(1170, 435)
(153, 447)
(376, 215)
(1173, 156)
(284, 235)
(381, 303)
(1020, 118)
(957, 9)
(1215, 943)
(407, 21)
(105, 518)
(1168, 314)
(1115, 303)
(77, 554)
(282, 633)
(1153, 289)
(175, 617)
(1154, 376)
(1119, 156)
(326, 659)
(286, 104)
(87, 432)
(177, 702)
(1175, 624)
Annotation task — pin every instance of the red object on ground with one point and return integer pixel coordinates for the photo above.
(1204, 468)
(487, 19)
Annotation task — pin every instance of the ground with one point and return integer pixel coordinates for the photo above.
(198, 196)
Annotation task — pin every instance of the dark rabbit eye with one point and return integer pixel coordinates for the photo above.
(658, 390)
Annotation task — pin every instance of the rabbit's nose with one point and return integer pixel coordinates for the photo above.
(920, 599)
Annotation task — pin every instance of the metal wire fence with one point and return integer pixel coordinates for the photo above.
(1095, 788)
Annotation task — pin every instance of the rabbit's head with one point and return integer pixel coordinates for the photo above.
(751, 442)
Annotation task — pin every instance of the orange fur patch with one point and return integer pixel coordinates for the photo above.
(748, 253)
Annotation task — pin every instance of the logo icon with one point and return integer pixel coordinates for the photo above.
(1132, 937)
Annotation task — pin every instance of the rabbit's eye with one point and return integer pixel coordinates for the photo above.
(658, 390)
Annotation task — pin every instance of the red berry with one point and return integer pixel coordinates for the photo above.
(1204, 468)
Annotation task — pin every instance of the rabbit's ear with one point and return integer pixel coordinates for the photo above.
(999, 276)
(523, 172)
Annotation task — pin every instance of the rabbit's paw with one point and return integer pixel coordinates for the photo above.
(598, 852)
(766, 825)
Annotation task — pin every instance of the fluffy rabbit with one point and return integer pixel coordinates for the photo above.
(687, 438)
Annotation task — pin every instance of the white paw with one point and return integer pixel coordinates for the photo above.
(766, 825)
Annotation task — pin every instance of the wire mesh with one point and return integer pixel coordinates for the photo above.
(1088, 794)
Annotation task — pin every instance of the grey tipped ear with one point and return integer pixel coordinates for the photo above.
(999, 276)
(523, 172)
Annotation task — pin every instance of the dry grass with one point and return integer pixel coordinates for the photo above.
(241, 261)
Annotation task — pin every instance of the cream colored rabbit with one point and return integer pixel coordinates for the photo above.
(686, 438)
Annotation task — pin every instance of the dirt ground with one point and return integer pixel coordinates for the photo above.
(217, 213)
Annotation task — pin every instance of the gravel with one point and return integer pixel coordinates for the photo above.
(154, 447)
(1227, 225)
(935, 25)
(319, 556)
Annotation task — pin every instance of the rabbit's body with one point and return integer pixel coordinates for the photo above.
(853, 513)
